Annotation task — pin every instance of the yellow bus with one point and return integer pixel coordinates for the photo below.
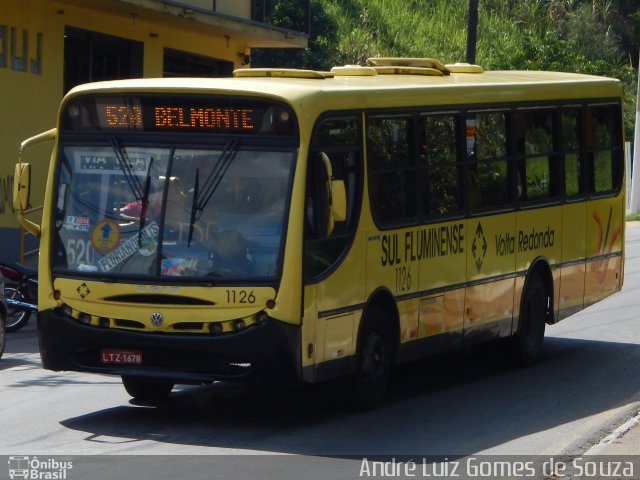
(305, 225)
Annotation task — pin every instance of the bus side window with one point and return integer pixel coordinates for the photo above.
(574, 185)
(488, 160)
(603, 133)
(536, 155)
(393, 173)
(440, 171)
(338, 140)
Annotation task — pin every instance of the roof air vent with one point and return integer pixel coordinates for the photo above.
(355, 70)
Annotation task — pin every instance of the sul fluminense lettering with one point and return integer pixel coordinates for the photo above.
(421, 244)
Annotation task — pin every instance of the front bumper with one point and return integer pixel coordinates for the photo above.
(267, 351)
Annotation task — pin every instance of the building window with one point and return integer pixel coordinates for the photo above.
(184, 64)
(92, 57)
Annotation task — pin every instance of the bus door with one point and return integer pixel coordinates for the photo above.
(333, 267)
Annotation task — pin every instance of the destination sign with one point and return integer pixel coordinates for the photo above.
(176, 113)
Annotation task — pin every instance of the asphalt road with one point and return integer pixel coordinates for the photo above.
(451, 405)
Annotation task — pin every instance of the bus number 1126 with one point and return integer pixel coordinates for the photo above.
(240, 296)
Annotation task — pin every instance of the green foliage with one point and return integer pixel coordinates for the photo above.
(599, 37)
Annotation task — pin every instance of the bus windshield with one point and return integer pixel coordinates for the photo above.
(171, 210)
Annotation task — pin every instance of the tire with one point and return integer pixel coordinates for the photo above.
(16, 317)
(373, 359)
(528, 342)
(145, 389)
(3, 337)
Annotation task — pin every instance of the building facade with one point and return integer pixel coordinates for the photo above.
(47, 47)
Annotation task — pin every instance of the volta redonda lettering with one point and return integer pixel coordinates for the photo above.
(212, 118)
(421, 244)
(526, 240)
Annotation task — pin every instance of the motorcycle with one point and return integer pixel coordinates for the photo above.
(21, 293)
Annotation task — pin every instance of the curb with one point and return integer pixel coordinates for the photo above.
(607, 442)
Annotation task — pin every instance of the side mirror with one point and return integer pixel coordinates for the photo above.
(336, 196)
(22, 182)
(338, 200)
(21, 187)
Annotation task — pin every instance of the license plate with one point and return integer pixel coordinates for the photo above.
(119, 356)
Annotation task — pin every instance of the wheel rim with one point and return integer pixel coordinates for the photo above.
(14, 315)
(373, 359)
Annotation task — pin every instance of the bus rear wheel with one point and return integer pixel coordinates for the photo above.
(146, 389)
(373, 359)
(528, 342)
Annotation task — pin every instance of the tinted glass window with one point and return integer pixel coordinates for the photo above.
(603, 136)
(440, 171)
(536, 175)
(392, 169)
(573, 178)
(487, 164)
(335, 140)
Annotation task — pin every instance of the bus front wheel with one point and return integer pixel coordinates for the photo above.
(146, 389)
(528, 341)
(373, 359)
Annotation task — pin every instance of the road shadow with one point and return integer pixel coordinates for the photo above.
(454, 404)
(24, 340)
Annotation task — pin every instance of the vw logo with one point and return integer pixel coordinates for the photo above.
(156, 318)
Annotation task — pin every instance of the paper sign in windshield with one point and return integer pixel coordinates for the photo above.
(129, 247)
(77, 223)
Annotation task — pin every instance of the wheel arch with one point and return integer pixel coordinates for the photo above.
(385, 300)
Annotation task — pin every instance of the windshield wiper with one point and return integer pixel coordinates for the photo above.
(144, 204)
(125, 166)
(194, 206)
(201, 199)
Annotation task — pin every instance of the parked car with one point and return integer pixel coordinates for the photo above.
(3, 316)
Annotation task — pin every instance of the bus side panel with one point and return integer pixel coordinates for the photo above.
(491, 247)
(426, 264)
(605, 219)
(442, 252)
(574, 253)
(441, 313)
(392, 267)
(539, 236)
